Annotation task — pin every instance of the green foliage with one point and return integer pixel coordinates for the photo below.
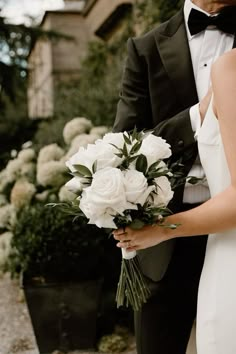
(15, 44)
(47, 244)
(95, 95)
(147, 14)
(49, 131)
(168, 8)
(14, 131)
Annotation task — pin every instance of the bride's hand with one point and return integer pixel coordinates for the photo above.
(145, 237)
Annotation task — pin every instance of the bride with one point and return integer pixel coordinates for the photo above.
(216, 316)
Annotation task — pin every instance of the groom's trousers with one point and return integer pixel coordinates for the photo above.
(164, 324)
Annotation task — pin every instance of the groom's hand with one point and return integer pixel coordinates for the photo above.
(204, 104)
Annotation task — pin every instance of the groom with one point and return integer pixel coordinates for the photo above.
(167, 73)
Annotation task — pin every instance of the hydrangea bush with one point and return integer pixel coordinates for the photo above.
(30, 178)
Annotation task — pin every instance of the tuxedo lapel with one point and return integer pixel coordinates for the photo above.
(174, 50)
(234, 44)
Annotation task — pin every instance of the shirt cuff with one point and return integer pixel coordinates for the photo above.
(195, 119)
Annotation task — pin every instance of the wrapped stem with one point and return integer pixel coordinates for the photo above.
(132, 288)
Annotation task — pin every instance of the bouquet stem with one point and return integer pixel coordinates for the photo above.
(132, 288)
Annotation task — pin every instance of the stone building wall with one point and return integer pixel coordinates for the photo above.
(102, 12)
(40, 87)
(58, 59)
(55, 60)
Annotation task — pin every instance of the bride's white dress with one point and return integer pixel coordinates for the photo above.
(216, 316)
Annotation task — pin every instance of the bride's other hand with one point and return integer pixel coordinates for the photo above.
(145, 237)
(204, 104)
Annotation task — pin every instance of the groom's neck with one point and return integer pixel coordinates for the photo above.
(213, 6)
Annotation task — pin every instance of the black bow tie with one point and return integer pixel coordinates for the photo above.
(224, 21)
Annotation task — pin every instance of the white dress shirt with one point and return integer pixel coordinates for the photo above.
(205, 48)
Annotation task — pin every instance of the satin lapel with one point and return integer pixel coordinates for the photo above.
(234, 45)
(174, 50)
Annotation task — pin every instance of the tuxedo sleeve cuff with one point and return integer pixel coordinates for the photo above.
(195, 119)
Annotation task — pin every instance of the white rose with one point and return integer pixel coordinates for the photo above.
(106, 155)
(76, 184)
(82, 157)
(155, 148)
(163, 193)
(102, 153)
(116, 139)
(136, 187)
(105, 198)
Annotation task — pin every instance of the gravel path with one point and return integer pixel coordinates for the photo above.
(16, 335)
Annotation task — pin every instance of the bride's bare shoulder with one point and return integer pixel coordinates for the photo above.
(225, 66)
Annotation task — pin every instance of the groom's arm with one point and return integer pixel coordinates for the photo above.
(134, 107)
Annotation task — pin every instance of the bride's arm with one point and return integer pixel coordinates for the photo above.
(219, 213)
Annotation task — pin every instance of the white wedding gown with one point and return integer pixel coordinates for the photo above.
(216, 315)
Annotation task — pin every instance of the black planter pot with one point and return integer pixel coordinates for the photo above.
(63, 315)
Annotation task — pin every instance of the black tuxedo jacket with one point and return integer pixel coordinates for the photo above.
(158, 88)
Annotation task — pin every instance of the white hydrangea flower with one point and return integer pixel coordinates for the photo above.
(13, 153)
(84, 140)
(22, 193)
(5, 247)
(43, 196)
(5, 180)
(7, 216)
(13, 169)
(28, 170)
(100, 130)
(26, 155)
(3, 200)
(52, 152)
(74, 127)
(65, 195)
(27, 145)
(52, 173)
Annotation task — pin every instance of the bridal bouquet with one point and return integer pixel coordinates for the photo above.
(122, 180)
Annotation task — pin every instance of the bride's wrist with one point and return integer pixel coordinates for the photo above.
(166, 230)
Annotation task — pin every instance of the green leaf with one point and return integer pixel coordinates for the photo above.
(171, 226)
(94, 167)
(141, 163)
(77, 174)
(154, 165)
(132, 158)
(134, 133)
(119, 155)
(194, 180)
(135, 148)
(127, 139)
(83, 170)
(125, 151)
(156, 174)
(116, 147)
(137, 224)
